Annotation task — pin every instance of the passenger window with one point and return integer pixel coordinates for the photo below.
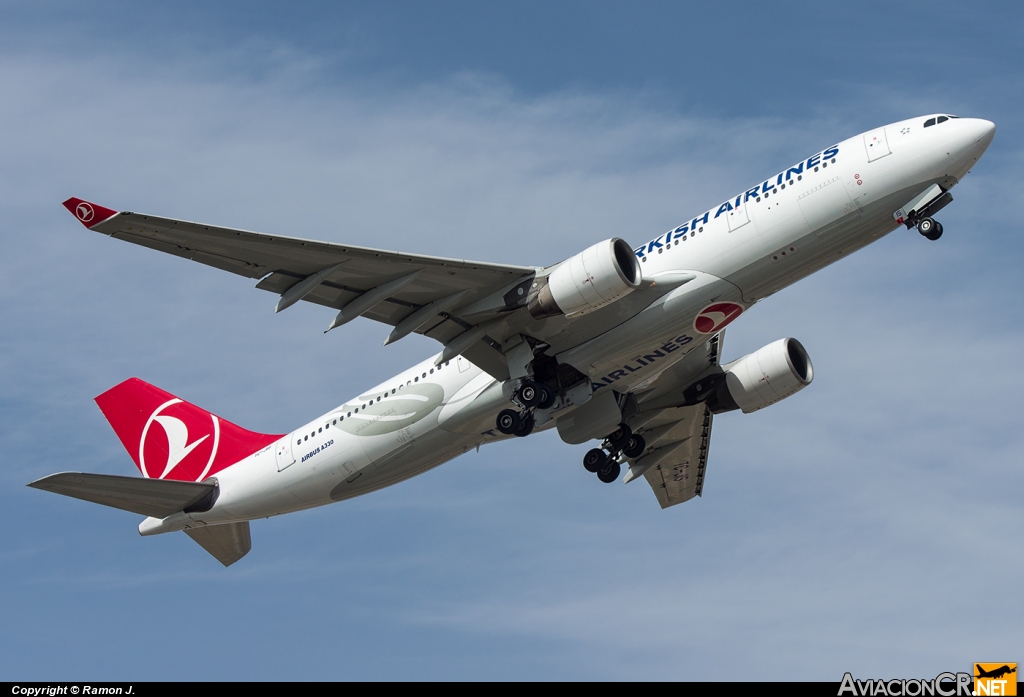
(929, 122)
(824, 164)
(392, 391)
(943, 119)
(431, 371)
(424, 375)
(306, 438)
(350, 413)
(319, 430)
(800, 177)
(416, 380)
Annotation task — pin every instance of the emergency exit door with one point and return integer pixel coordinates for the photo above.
(285, 458)
(876, 144)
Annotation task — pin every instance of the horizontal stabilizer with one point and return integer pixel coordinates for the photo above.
(157, 498)
(227, 543)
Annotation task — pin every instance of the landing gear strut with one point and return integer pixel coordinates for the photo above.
(621, 442)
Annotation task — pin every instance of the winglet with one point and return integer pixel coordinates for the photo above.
(89, 214)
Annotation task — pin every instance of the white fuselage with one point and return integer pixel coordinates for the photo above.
(748, 247)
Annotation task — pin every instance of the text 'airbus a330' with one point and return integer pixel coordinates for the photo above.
(616, 344)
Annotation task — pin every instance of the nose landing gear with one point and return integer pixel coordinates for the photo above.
(607, 465)
(931, 229)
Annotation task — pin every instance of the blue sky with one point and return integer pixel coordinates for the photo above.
(871, 523)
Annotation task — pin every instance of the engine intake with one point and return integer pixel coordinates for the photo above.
(760, 379)
(594, 278)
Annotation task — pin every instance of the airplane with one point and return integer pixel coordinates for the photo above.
(995, 673)
(616, 344)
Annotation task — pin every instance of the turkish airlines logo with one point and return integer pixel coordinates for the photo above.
(714, 317)
(85, 212)
(183, 444)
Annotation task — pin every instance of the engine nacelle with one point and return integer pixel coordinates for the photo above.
(597, 276)
(762, 378)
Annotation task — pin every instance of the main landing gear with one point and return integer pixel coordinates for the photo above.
(620, 444)
(531, 395)
(931, 229)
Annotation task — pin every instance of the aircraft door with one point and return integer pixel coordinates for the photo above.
(876, 144)
(738, 217)
(285, 458)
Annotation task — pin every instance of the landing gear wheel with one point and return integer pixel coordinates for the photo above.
(635, 447)
(610, 472)
(508, 421)
(595, 460)
(547, 397)
(620, 437)
(929, 228)
(528, 393)
(526, 422)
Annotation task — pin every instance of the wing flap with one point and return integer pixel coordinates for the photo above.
(157, 498)
(679, 476)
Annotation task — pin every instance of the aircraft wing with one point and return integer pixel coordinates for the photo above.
(411, 292)
(678, 435)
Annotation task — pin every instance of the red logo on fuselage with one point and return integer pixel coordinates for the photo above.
(180, 438)
(715, 317)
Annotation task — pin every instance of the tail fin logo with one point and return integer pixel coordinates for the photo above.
(85, 212)
(159, 456)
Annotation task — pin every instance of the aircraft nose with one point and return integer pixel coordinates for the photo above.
(979, 133)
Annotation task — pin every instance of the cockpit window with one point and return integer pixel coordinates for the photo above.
(929, 122)
(942, 119)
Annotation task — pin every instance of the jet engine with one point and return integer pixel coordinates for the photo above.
(762, 378)
(597, 276)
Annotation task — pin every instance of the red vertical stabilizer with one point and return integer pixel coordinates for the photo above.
(169, 438)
